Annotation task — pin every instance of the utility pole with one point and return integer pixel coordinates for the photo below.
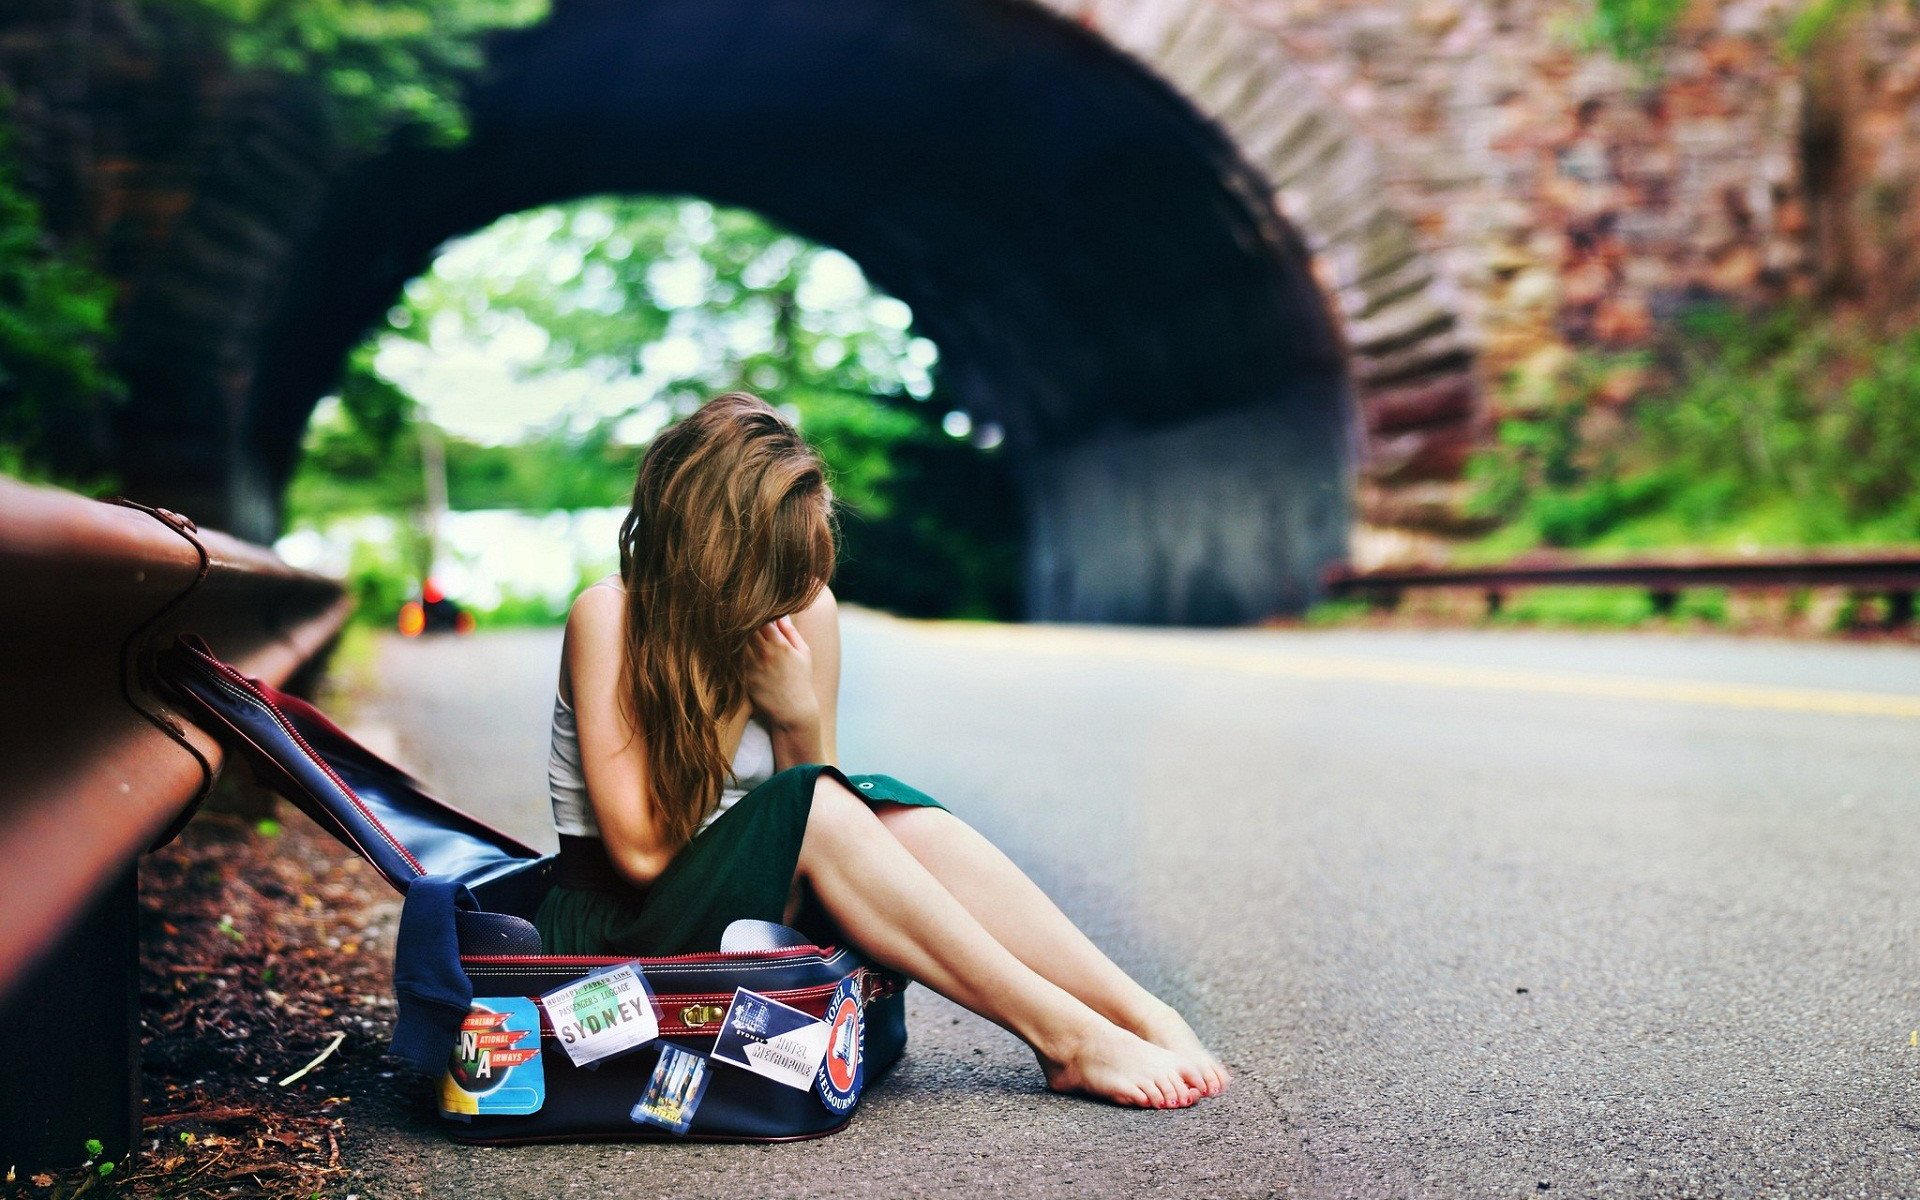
(433, 465)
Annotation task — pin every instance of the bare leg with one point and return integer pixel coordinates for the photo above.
(899, 914)
(1023, 919)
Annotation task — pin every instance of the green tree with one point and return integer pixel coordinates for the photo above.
(688, 300)
(390, 64)
(697, 299)
(55, 390)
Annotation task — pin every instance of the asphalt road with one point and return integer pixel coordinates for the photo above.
(1470, 914)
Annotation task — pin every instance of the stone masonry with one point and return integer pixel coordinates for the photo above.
(1487, 186)
(1483, 190)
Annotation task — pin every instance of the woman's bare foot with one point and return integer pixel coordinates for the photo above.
(1168, 1030)
(1108, 1062)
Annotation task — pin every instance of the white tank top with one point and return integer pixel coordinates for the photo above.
(566, 783)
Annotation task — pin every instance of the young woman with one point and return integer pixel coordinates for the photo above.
(695, 779)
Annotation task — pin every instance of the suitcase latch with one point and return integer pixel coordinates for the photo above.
(693, 1016)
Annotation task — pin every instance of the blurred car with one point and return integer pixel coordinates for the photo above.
(433, 612)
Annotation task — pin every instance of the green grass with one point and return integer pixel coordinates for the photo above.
(1543, 607)
(1779, 431)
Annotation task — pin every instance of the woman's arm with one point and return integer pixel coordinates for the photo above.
(819, 624)
(612, 753)
(793, 679)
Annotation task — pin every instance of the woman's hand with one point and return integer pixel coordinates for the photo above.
(780, 677)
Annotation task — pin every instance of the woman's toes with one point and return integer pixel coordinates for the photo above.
(1128, 1070)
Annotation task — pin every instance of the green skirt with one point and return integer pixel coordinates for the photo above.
(742, 865)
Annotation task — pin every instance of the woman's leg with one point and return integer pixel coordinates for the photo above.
(901, 916)
(1023, 919)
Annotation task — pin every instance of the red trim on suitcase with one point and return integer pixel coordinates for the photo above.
(806, 999)
(247, 685)
(310, 713)
(605, 960)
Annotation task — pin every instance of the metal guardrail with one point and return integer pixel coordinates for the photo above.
(1897, 576)
(95, 767)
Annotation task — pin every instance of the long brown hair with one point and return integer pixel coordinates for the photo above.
(732, 526)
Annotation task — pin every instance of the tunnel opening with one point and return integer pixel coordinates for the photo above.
(478, 453)
(1107, 281)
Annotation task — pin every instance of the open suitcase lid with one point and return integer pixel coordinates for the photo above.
(367, 802)
(464, 880)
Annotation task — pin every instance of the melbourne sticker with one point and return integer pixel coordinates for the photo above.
(844, 1070)
(606, 1013)
(495, 1066)
(771, 1039)
(673, 1094)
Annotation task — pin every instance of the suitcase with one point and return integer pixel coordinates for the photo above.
(469, 963)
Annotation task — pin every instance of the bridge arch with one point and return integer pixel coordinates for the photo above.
(1083, 208)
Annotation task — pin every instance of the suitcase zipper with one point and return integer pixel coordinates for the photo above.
(698, 1012)
(610, 960)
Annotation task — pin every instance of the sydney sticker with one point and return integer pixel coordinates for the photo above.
(607, 1013)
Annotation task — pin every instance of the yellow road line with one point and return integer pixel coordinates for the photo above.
(1286, 663)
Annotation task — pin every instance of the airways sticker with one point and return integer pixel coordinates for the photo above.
(495, 1066)
(771, 1039)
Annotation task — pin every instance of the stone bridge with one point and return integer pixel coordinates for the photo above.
(1230, 277)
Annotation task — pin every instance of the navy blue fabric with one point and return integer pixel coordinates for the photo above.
(368, 803)
(593, 1102)
(432, 990)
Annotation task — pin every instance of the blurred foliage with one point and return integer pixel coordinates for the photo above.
(1813, 20)
(382, 577)
(684, 300)
(693, 298)
(390, 64)
(1556, 607)
(522, 608)
(1634, 29)
(344, 473)
(55, 390)
(930, 526)
(1780, 429)
(1637, 30)
(1604, 607)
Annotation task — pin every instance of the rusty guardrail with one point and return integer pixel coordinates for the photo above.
(95, 767)
(1897, 576)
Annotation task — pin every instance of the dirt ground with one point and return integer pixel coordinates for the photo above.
(264, 948)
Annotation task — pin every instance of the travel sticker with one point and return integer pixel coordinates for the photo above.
(495, 1066)
(844, 1070)
(673, 1094)
(609, 1012)
(771, 1039)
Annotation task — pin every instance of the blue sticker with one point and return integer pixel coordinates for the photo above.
(845, 1069)
(673, 1094)
(495, 1066)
